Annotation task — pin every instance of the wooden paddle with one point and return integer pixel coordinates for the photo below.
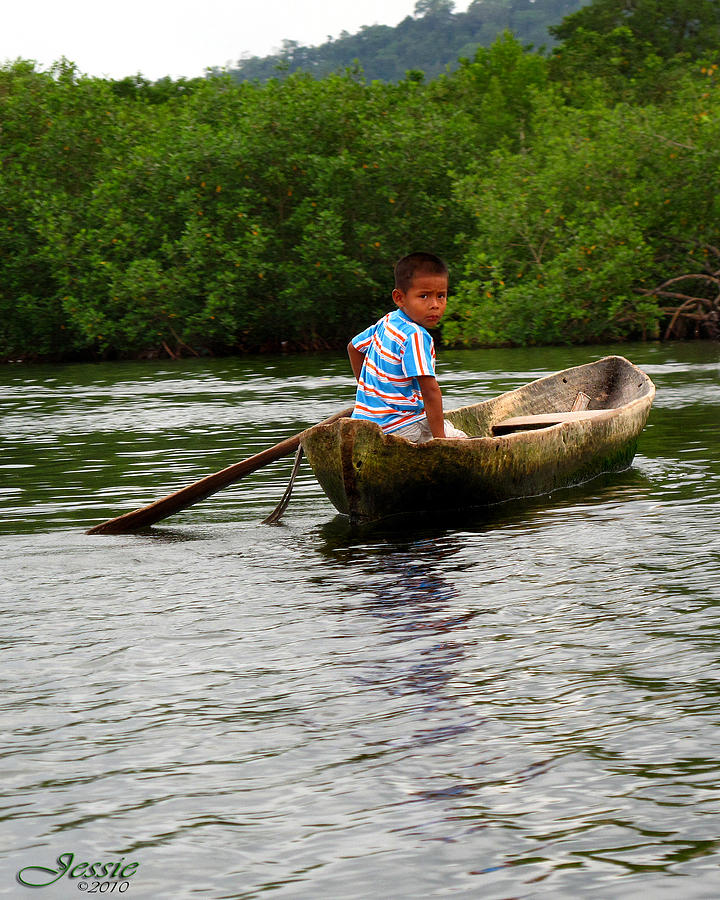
(194, 493)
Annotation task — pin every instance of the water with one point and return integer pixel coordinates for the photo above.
(520, 702)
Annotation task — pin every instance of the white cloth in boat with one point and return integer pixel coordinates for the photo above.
(419, 432)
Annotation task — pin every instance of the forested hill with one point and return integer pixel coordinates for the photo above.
(428, 42)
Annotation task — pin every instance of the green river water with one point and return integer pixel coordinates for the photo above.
(521, 702)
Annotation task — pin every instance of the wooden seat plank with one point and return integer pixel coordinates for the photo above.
(543, 420)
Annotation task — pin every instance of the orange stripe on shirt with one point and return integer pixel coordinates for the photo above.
(419, 355)
(374, 413)
(398, 423)
(397, 335)
(396, 398)
(396, 379)
(406, 418)
(381, 351)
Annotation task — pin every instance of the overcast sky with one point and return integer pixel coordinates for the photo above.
(178, 37)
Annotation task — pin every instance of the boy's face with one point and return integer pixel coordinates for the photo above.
(425, 300)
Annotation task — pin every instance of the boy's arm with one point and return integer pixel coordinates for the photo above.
(432, 398)
(356, 360)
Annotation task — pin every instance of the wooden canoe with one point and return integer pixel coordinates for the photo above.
(524, 443)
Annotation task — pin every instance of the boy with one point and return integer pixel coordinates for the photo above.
(394, 360)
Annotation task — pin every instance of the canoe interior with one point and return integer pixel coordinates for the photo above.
(610, 383)
(370, 475)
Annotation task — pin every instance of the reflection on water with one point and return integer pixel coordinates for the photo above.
(517, 702)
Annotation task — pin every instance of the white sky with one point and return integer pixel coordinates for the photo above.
(178, 37)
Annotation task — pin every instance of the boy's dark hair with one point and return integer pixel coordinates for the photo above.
(415, 263)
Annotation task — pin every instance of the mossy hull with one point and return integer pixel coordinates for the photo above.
(368, 474)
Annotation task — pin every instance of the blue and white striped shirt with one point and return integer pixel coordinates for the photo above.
(396, 350)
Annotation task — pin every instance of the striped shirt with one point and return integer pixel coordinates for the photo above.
(396, 350)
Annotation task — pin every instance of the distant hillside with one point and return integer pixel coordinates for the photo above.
(429, 42)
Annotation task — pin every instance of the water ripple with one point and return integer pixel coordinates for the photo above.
(518, 702)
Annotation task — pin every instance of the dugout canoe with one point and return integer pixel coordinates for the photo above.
(524, 443)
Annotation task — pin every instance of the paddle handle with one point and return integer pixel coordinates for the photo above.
(199, 490)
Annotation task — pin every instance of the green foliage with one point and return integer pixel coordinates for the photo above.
(639, 48)
(208, 216)
(434, 8)
(667, 27)
(219, 217)
(496, 89)
(573, 236)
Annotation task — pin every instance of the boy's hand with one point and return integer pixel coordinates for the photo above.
(432, 398)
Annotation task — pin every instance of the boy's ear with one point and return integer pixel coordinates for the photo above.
(398, 296)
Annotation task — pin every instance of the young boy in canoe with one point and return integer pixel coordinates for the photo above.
(394, 360)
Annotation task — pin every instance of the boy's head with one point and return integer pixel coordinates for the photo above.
(415, 264)
(421, 284)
